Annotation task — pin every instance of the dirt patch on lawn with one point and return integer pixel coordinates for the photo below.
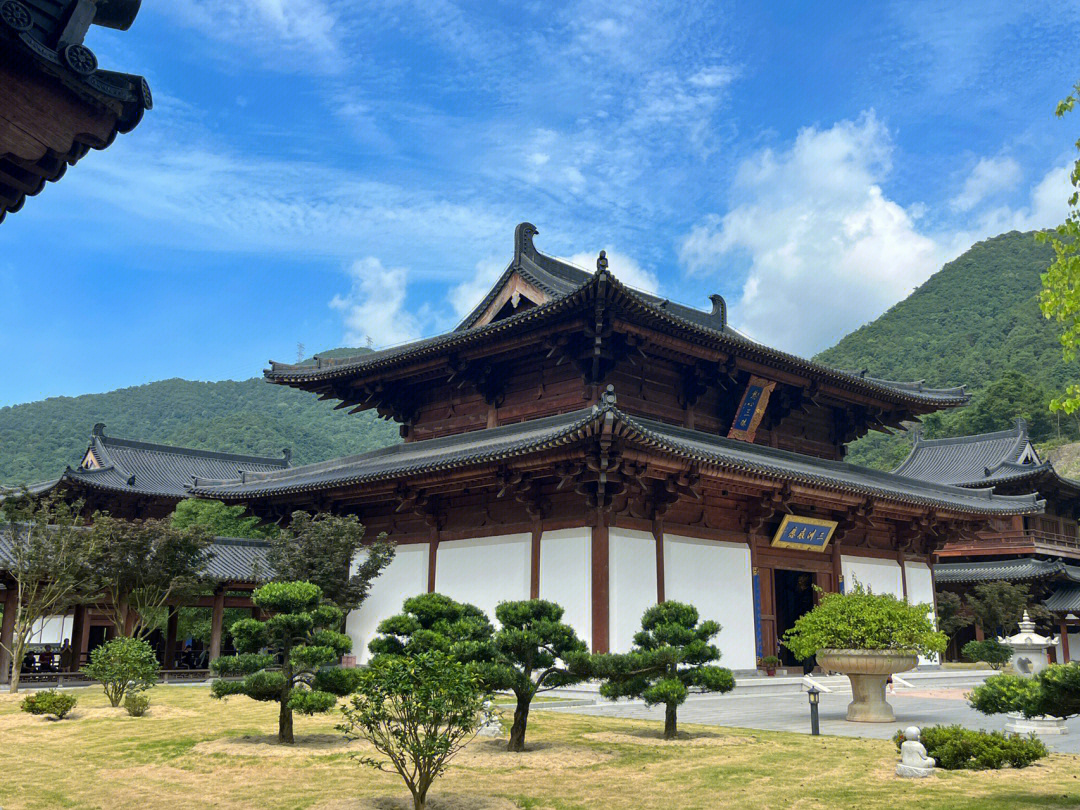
(656, 738)
(436, 801)
(490, 754)
(267, 745)
(487, 754)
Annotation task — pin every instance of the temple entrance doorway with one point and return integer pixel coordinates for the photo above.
(794, 592)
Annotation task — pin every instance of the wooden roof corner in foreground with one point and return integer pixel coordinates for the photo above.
(55, 103)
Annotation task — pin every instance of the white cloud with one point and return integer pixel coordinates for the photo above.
(827, 249)
(286, 34)
(990, 176)
(374, 307)
(465, 296)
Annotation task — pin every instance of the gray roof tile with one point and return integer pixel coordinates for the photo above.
(1020, 568)
(496, 444)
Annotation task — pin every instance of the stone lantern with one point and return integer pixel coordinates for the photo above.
(1028, 659)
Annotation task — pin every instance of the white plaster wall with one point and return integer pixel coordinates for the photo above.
(920, 588)
(716, 579)
(880, 576)
(406, 576)
(566, 576)
(485, 571)
(632, 583)
(52, 630)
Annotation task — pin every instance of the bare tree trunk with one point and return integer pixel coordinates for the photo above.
(521, 718)
(285, 718)
(670, 725)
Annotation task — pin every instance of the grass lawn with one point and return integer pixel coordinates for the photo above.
(193, 752)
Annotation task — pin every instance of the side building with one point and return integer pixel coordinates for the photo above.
(577, 440)
(1041, 551)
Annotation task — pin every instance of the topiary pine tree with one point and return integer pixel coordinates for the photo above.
(432, 621)
(536, 652)
(671, 654)
(1054, 691)
(284, 658)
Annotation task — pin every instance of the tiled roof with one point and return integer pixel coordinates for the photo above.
(501, 443)
(983, 460)
(1021, 568)
(569, 287)
(155, 469)
(1066, 599)
(30, 34)
(231, 559)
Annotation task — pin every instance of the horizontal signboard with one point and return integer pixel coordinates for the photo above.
(809, 534)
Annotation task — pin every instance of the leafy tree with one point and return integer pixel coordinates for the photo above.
(536, 653)
(49, 563)
(418, 712)
(1010, 396)
(322, 550)
(951, 615)
(998, 607)
(142, 565)
(1054, 691)
(218, 519)
(1060, 296)
(862, 620)
(671, 655)
(990, 650)
(432, 621)
(287, 657)
(123, 665)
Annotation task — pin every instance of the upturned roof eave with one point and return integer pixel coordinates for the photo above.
(585, 423)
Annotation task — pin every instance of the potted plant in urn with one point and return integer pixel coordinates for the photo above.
(770, 663)
(867, 637)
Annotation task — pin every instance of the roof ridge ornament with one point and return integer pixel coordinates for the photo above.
(99, 430)
(719, 308)
(523, 241)
(608, 397)
(602, 262)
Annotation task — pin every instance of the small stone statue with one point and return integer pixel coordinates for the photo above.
(914, 763)
(601, 261)
(492, 726)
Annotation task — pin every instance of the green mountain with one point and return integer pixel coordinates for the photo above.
(977, 322)
(38, 439)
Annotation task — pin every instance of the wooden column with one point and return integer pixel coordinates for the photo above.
(903, 573)
(658, 535)
(601, 625)
(979, 635)
(837, 568)
(433, 558)
(78, 624)
(7, 631)
(534, 561)
(171, 628)
(217, 616)
(1065, 656)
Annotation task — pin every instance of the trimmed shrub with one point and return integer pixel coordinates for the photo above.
(862, 620)
(136, 703)
(959, 748)
(991, 651)
(50, 702)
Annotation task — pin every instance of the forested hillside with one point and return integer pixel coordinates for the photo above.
(976, 322)
(38, 439)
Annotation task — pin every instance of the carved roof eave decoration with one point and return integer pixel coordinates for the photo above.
(631, 309)
(664, 448)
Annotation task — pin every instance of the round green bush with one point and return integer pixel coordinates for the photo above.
(862, 620)
(136, 703)
(959, 748)
(990, 651)
(50, 702)
(122, 665)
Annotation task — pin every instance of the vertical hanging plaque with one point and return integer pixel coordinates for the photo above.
(751, 409)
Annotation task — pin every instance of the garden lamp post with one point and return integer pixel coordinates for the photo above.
(814, 695)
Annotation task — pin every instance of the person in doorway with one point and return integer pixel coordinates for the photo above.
(47, 660)
(804, 603)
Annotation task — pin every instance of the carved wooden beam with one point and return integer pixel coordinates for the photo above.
(761, 511)
(855, 518)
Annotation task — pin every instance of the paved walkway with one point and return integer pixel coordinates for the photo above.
(789, 711)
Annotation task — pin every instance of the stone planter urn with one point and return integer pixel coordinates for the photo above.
(868, 671)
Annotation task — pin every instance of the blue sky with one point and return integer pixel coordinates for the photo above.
(327, 172)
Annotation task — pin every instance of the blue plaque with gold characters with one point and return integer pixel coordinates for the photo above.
(751, 409)
(809, 534)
